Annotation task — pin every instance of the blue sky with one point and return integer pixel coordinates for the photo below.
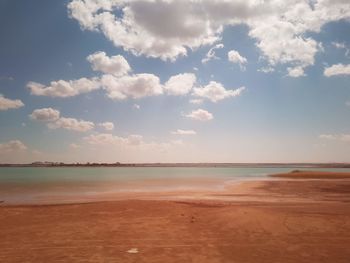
(223, 110)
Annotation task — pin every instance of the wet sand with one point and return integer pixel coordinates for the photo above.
(284, 220)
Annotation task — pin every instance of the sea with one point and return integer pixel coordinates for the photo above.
(27, 185)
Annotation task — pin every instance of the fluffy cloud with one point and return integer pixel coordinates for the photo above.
(45, 114)
(235, 57)
(183, 132)
(180, 84)
(108, 126)
(6, 104)
(64, 89)
(296, 72)
(278, 27)
(54, 121)
(116, 65)
(134, 86)
(214, 91)
(338, 69)
(200, 115)
(72, 124)
(12, 146)
(211, 53)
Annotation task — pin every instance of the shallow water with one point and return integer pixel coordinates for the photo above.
(31, 185)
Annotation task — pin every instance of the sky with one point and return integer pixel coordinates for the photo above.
(175, 81)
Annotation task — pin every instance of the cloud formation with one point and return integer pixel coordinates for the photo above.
(338, 69)
(63, 88)
(211, 53)
(108, 126)
(54, 121)
(180, 84)
(115, 65)
(12, 146)
(200, 115)
(278, 27)
(235, 57)
(6, 104)
(215, 92)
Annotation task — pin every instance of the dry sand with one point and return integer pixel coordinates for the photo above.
(274, 221)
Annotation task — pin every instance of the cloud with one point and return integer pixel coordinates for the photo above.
(339, 45)
(54, 121)
(12, 146)
(266, 70)
(278, 27)
(211, 53)
(296, 72)
(180, 84)
(109, 139)
(45, 114)
(200, 115)
(115, 65)
(235, 57)
(108, 126)
(336, 137)
(74, 146)
(338, 69)
(183, 132)
(134, 86)
(72, 124)
(64, 89)
(215, 92)
(136, 106)
(6, 104)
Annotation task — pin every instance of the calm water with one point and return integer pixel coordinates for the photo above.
(30, 184)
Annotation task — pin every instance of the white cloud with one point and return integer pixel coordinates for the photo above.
(296, 72)
(180, 84)
(134, 86)
(64, 89)
(339, 45)
(235, 57)
(215, 92)
(200, 115)
(12, 146)
(6, 104)
(115, 65)
(278, 27)
(211, 53)
(54, 121)
(338, 69)
(266, 70)
(183, 132)
(108, 126)
(72, 124)
(45, 114)
(136, 106)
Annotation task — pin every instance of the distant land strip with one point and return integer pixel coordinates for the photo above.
(233, 165)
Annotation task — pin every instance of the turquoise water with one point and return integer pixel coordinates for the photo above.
(29, 183)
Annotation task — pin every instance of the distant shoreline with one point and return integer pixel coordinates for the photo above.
(201, 165)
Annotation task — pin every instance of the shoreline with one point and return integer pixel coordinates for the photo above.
(287, 220)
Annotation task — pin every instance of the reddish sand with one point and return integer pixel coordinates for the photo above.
(276, 221)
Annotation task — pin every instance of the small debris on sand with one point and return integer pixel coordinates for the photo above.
(133, 251)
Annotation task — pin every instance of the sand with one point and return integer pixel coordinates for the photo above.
(268, 221)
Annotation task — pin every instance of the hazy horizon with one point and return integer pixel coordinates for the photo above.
(146, 81)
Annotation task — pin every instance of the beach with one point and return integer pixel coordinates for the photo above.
(277, 220)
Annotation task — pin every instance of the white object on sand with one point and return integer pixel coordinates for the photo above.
(133, 251)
